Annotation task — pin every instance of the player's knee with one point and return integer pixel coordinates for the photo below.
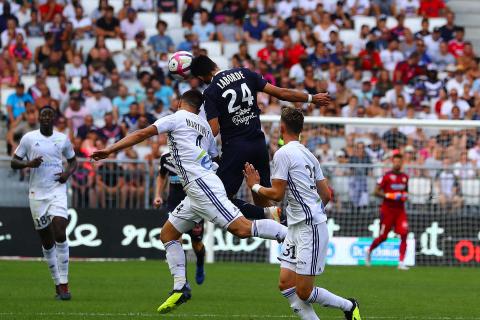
(242, 233)
(60, 237)
(303, 292)
(197, 246)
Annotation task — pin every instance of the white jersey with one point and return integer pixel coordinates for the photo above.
(191, 144)
(51, 149)
(298, 166)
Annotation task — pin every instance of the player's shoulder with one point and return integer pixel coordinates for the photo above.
(31, 134)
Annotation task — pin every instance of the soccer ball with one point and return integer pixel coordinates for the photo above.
(179, 65)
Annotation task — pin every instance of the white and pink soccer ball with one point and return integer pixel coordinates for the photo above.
(179, 65)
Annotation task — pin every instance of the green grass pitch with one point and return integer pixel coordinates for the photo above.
(134, 289)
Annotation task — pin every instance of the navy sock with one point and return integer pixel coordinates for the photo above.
(249, 211)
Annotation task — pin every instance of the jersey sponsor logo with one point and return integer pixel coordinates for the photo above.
(397, 186)
(243, 116)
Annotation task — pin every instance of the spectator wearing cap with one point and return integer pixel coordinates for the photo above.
(204, 29)
(448, 30)
(408, 7)
(75, 112)
(391, 56)
(131, 25)
(161, 42)
(409, 69)
(108, 25)
(432, 8)
(49, 9)
(432, 41)
(457, 44)
(447, 106)
(228, 30)
(253, 27)
(443, 58)
(97, 105)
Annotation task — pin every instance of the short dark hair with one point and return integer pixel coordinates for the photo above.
(47, 107)
(162, 22)
(193, 97)
(397, 156)
(202, 66)
(293, 119)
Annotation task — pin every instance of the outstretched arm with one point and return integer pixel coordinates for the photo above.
(295, 95)
(252, 178)
(130, 140)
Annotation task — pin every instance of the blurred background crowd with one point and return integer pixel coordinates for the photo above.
(103, 66)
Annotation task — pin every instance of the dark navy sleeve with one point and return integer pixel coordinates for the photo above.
(210, 105)
(163, 171)
(255, 80)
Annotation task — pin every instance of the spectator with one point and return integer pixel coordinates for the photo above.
(292, 52)
(190, 40)
(408, 7)
(142, 5)
(7, 15)
(358, 181)
(458, 82)
(474, 153)
(110, 132)
(109, 183)
(97, 105)
(322, 30)
(464, 168)
(161, 42)
(20, 53)
(49, 9)
(448, 187)
(447, 106)
(16, 102)
(358, 7)
(400, 30)
(163, 93)
(254, 28)
(77, 69)
(391, 56)
(432, 8)
(409, 69)
(108, 25)
(204, 29)
(33, 28)
(9, 35)
(112, 90)
(131, 25)
(130, 119)
(82, 25)
(229, 31)
(457, 45)
(26, 122)
(447, 31)
(133, 191)
(121, 103)
(394, 139)
(75, 112)
(87, 127)
(370, 58)
(432, 41)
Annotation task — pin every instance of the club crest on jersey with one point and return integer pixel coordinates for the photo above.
(393, 177)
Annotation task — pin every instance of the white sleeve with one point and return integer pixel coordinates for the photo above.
(281, 164)
(318, 172)
(23, 146)
(166, 124)
(67, 150)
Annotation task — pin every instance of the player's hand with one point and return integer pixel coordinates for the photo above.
(251, 175)
(396, 196)
(62, 177)
(100, 154)
(321, 99)
(35, 163)
(157, 202)
(404, 196)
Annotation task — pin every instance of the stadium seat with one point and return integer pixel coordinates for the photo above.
(4, 94)
(35, 42)
(341, 189)
(214, 48)
(54, 85)
(119, 58)
(414, 23)
(149, 19)
(116, 4)
(419, 190)
(149, 32)
(359, 21)
(470, 191)
(89, 6)
(253, 48)
(130, 84)
(177, 35)
(348, 36)
(436, 22)
(174, 20)
(114, 45)
(130, 44)
(86, 45)
(391, 22)
(28, 80)
(230, 48)
(221, 61)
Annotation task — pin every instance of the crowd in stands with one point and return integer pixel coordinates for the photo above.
(102, 94)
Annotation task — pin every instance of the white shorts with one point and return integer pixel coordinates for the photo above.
(44, 209)
(304, 250)
(206, 199)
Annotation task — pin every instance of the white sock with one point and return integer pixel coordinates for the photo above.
(63, 256)
(268, 229)
(51, 258)
(176, 263)
(303, 309)
(327, 299)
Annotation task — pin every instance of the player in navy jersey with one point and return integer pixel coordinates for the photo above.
(231, 109)
(175, 196)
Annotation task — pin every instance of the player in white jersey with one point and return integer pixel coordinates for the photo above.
(192, 146)
(44, 150)
(297, 173)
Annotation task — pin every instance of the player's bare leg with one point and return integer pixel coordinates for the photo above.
(59, 225)
(287, 285)
(177, 264)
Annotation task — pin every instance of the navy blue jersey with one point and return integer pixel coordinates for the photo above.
(175, 193)
(232, 98)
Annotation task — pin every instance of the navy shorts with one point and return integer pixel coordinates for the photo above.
(235, 153)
